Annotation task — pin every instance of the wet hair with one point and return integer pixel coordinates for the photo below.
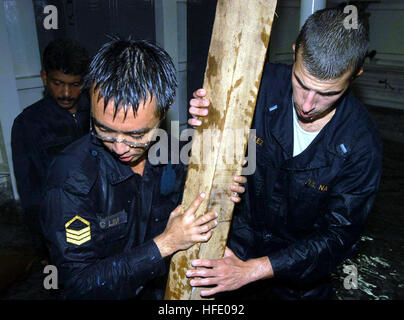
(67, 56)
(328, 48)
(131, 71)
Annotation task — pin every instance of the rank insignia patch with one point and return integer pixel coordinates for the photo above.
(78, 231)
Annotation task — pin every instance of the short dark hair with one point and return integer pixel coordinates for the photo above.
(67, 56)
(328, 48)
(130, 71)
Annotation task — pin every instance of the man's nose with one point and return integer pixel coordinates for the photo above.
(308, 104)
(119, 147)
(66, 90)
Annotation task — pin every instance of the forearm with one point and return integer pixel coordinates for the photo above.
(259, 269)
(228, 273)
(164, 245)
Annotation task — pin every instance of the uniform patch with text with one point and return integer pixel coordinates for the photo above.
(317, 186)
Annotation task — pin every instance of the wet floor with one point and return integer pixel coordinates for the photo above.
(379, 259)
(374, 272)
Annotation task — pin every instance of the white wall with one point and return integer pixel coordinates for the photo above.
(171, 34)
(19, 68)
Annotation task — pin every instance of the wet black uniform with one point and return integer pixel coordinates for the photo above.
(306, 213)
(100, 218)
(39, 133)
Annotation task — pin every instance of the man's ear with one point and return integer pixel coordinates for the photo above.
(359, 73)
(43, 76)
(165, 114)
(294, 51)
(168, 109)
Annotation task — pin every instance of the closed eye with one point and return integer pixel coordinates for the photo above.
(103, 129)
(324, 94)
(137, 137)
(329, 94)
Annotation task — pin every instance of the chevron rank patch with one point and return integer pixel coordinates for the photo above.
(78, 231)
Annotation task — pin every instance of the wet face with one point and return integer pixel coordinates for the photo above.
(315, 99)
(128, 134)
(63, 88)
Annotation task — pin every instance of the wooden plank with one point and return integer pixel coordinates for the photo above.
(236, 57)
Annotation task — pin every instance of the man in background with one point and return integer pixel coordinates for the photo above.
(43, 129)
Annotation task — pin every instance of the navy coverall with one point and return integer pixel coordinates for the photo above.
(306, 213)
(99, 219)
(39, 133)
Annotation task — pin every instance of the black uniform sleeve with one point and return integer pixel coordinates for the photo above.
(338, 230)
(25, 170)
(28, 177)
(84, 271)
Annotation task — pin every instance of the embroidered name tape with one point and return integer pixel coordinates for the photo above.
(78, 231)
(114, 220)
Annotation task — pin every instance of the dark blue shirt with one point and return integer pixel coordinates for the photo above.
(99, 219)
(306, 213)
(39, 133)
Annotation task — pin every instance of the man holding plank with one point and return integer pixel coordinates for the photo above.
(318, 171)
(106, 215)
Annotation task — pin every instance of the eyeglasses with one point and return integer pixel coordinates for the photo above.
(131, 144)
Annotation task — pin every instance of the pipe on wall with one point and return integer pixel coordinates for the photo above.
(308, 7)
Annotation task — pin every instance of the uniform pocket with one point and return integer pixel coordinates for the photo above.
(304, 199)
(114, 227)
(304, 209)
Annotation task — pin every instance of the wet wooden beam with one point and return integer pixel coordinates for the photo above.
(236, 57)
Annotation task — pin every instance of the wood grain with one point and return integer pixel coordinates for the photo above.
(236, 57)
